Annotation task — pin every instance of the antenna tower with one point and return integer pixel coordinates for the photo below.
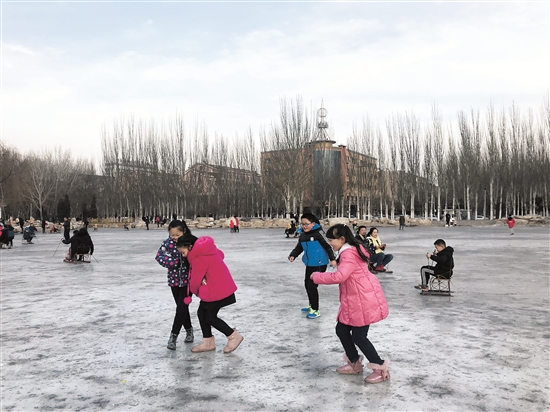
(322, 125)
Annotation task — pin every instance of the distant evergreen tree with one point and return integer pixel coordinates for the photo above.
(93, 208)
(63, 208)
(85, 211)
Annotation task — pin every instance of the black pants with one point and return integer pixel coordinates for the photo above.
(208, 317)
(182, 317)
(357, 335)
(66, 234)
(311, 287)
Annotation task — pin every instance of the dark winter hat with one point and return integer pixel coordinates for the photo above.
(186, 240)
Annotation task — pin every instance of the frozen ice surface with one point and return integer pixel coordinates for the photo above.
(93, 336)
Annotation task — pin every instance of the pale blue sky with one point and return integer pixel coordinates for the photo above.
(70, 68)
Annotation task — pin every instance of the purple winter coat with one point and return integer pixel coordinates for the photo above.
(178, 267)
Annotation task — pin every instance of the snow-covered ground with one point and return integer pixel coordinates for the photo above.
(93, 336)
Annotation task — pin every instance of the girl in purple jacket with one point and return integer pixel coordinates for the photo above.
(169, 257)
(362, 303)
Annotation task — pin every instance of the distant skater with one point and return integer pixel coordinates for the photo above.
(211, 281)
(362, 303)
(234, 224)
(317, 255)
(401, 222)
(66, 229)
(169, 257)
(511, 223)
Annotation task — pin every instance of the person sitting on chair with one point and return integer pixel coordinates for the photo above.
(291, 229)
(28, 233)
(443, 256)
(379, 259)
(81, 244)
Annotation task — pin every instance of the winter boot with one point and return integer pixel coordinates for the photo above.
(351, 368)
(207, 345)
(380, 372)
(233, 342)
(172, 341)
(189, 335)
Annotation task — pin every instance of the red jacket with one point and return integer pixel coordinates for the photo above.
(511, 222)
(206, 262)
(362, 300)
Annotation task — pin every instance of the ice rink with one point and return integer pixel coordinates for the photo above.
(93, 336)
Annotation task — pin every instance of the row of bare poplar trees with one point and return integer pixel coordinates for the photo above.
(47, 184)
(489, 163)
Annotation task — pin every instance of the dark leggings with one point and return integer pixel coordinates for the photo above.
(182, 317)
(311, 287)
(357, 335)
(208, 318)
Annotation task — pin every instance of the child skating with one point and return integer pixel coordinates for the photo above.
(362, 303)
(211, 281)
(511, 223)
(177, 265)
(317, 254)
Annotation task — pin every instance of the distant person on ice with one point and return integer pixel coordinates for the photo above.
(511, 223)
(211, 281)
(317, 255)
(401, 222)
(66, 229)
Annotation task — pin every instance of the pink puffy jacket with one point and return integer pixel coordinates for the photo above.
(206, 262)
(362, 300)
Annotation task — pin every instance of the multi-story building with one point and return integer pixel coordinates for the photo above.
(319, 175)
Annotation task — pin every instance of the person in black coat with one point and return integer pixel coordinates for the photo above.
(444, 264)
(361, 235)
(66, 228)
(81, 243)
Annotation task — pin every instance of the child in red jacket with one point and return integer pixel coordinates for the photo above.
(211, 281)
(362, 303)
(511, 222)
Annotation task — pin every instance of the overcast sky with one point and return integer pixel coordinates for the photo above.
(68, 69)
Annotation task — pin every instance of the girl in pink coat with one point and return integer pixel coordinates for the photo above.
(211, 281)
(362, 303)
